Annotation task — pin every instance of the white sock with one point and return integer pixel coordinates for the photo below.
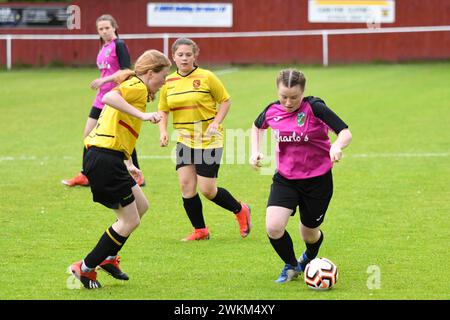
(84, 268)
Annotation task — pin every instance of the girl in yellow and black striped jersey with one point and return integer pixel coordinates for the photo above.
(108, 166)
(199, 103)
(111, 59)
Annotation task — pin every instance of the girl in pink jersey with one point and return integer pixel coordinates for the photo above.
(305, 158)
(112, 57)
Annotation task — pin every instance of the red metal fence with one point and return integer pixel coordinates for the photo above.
(248, 16)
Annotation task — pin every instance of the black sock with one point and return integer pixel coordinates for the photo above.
(224, 199)
(109, 245)
(194, 210)
(285, 248)
(120, 239)
(134, 158)
(312, 249)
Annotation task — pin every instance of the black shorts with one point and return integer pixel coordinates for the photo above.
(312, 195)
(206, 161)
(109, 178)
(95, 113)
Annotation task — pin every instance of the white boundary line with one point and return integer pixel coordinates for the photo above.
(226, 71)
(400, 155)
(165, 157)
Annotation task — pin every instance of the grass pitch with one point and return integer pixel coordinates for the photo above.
(387, 227)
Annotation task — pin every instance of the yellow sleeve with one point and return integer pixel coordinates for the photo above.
(162, 105)
(132, 92)
(218, 91)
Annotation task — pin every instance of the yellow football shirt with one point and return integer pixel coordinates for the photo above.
(193, 100)
(117, 130)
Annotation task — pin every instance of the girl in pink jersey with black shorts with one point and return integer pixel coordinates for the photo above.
(304, 158)
(112, 57)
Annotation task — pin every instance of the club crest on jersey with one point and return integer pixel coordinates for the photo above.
(301, 118)
(196, 84)
(107, 52)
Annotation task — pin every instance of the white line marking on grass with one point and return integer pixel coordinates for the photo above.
(30, 158)
(400, 155)
(154, 157)
(165, 157)
(225, 71)
(9, 158)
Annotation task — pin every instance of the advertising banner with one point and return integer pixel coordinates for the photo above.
(190, 15)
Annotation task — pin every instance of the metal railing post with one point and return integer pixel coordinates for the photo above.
(8, 52)
(166, 44)
(325, 48)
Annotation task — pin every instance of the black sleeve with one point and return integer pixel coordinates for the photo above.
(122, 54)
(327, 115)
(261, 119)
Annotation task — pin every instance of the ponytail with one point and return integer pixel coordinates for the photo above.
(150, 60)
(123, 75)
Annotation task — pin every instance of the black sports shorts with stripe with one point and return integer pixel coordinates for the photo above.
(206, 161)
(312, 196)
(109, 178)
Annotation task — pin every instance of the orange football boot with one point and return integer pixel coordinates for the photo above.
(198, 234)
(88, 279)
(244, 220)
(112, 267)
(79, 180)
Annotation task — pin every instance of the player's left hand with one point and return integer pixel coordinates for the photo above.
(135, 172)
(335, 153)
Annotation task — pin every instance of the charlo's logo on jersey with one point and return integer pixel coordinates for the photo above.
(290, 136)
(103, 65)
(301, 118)
(196, 84)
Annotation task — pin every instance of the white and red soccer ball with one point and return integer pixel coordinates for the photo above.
(320, 274)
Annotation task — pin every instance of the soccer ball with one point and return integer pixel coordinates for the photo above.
(321, 274)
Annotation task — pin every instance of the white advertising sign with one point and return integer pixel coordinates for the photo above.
(351, 11)
(189, 14)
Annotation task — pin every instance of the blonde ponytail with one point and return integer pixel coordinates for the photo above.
(123, 75)
(150, 60)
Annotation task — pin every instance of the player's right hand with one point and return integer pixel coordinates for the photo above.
(255, 160)
(97, 83)
(153, 117)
